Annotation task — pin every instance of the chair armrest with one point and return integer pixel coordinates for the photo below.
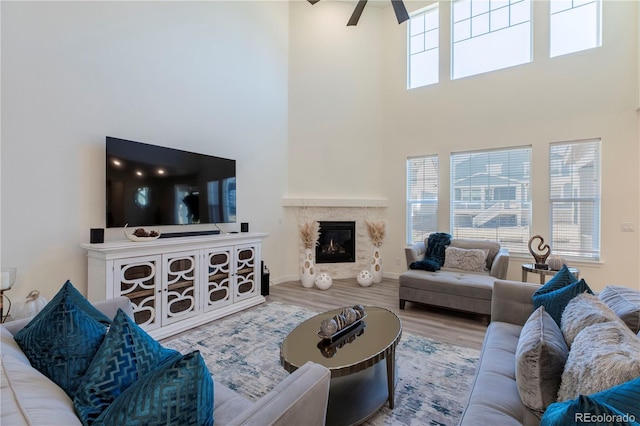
(414, 252)
(500, 264)
(512, 302)
(300, 399)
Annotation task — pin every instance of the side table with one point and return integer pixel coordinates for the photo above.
(530, 267)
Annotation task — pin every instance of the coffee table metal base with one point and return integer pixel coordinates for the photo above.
(356, 397)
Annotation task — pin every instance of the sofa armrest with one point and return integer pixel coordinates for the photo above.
(500, 264)
(414, 252)
(512, 301)
(300, 399)
(109, 307)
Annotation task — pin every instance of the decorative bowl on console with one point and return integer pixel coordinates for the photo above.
(141, 234)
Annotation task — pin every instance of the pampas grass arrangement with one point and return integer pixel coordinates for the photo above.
(376, 231)
(309, 234)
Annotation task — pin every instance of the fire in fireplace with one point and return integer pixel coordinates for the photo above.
(337, 242)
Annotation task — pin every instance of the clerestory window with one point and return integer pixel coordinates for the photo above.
(424, 42)
(489, 35)
(574, 25)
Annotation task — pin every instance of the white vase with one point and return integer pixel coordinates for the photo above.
(376, 265)
(308, 275)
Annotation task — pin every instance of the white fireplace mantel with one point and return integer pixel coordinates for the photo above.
(334, 202)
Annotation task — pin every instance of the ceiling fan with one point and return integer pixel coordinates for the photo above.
(398, 7)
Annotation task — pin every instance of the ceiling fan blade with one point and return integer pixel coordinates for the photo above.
(313, 1)
(355, 16)
(401, 11)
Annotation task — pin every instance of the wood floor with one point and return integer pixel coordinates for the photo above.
(461, 329)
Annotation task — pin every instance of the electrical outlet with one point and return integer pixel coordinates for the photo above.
(627, 227)
(397, 261)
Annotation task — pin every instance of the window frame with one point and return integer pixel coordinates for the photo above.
(576, 201)
(431, 203)
(423, 11)
(495, 211)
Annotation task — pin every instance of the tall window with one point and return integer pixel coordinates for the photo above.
(422, 197)
(491, 196)
(489, 35)
(423, 47)
(575, 198)
(574, 25)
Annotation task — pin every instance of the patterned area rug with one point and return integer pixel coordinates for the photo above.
(243, 353)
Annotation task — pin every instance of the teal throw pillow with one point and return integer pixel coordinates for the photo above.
(178, 393)
(61, 341)
(126, 354)
(556, 300)
(561, 279)
(615, 406)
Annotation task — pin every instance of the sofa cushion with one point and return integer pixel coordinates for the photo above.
(180, 392)
(465, 259)
(602, 355)
(474, 285)
(555, 295)
(582, 311)
(540, 357)
(29, 398)
(619, 402)
(61, 341)
(492, 247)
(625, 302)
(494, 398)
(126, 354)
(9, 346)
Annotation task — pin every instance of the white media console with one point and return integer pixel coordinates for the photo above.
(178, 283)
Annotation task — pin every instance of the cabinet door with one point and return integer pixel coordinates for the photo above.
(218, 268)
(137, 278)
(180, 289)
(246, 284)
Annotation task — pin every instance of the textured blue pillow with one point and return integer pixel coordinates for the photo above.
(554, 301)
(177, 393)
(616, 406)
(61, 341)
(68, 290)
(562, 278)
(126, 354)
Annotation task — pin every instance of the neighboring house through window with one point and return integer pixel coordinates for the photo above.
(422, 197)
(575, 25)
(574, 196)
(491, 196)
(423, 44)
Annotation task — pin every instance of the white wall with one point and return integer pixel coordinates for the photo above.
(590, 94)
(209, 77)
(335, 109)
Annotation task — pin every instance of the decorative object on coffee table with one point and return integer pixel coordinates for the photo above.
(309, 234)
(545, 250)
(364, 278)
(376, 231)
(323, 281)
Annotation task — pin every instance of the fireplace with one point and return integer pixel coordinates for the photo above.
(337, 242)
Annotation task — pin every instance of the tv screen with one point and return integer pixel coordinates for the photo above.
(151, 185)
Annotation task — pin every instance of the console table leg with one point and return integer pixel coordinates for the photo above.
(391, 377)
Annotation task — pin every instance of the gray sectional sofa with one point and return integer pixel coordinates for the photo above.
(454, 288)
(494, 397)
(28, 397)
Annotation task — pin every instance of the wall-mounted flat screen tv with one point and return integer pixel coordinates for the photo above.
(150, 185)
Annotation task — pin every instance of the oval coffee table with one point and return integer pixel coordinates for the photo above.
(360, 383)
